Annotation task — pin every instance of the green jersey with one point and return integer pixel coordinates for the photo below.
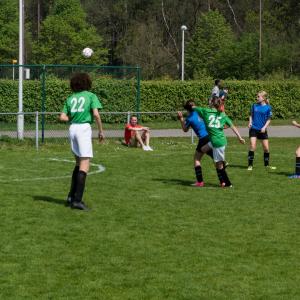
(78, 107)
(214, 121)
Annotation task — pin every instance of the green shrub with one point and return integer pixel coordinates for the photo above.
(120, 95)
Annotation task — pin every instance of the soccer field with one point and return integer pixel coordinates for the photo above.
(149, 234)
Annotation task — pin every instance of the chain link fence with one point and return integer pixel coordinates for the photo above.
(44, 127)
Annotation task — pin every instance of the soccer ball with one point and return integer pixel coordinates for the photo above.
(87, 52)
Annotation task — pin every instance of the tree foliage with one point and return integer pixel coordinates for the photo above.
(222, 39)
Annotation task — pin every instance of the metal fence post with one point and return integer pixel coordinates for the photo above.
(128, 117)
(192, 136)
(37, 130)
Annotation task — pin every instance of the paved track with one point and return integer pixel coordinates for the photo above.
(274, 131)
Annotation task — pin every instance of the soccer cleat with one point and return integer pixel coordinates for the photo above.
(79, 205)
(294, 176)
(223, 185)
(270, 168)
(198, 184)
(145, 148)
(149, 148)
(250, 168)
(68, 201)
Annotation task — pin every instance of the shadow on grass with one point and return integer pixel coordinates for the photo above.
(49, 199)
(175, 181)
(237, 166)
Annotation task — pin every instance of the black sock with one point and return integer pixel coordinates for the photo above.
(250, 158)
(198, 172)
(80, 186)
(210, 153)
(266, 158)
(225, 177)
(297, 171)
(219, 173)
(73, 182)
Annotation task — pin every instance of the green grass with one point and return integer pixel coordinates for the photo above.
(149, 235)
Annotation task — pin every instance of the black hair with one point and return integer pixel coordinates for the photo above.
(216, 102)
(80, 82)
(188, 105)
(217, 81)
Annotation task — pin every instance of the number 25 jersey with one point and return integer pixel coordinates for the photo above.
(214, 121)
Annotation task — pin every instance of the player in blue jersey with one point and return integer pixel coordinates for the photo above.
(259, 120)
(196, 123)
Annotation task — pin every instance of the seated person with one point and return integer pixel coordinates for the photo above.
(136, 135)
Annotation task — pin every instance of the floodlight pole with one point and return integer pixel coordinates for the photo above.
(20, 125)
(260, 33)
(183, 29)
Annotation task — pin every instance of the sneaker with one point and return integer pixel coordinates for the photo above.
(223, 185)
(198, 184)
(270, 168)
(68, 201)
(145, 148)
(294, 176)
(149, 148)
(250, 168)
(79, 205)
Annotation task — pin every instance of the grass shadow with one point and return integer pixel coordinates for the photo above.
(237, 166)
(176, 181)
(49, 199)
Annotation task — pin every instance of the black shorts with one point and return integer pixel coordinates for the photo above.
(259, 135)
(203, 141)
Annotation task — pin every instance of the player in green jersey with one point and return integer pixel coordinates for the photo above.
(215, 120)
(80, 109)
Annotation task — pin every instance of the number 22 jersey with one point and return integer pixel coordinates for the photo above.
(79, 107)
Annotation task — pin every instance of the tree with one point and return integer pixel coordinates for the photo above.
(64, 33)
(212, 34)
(9, 30)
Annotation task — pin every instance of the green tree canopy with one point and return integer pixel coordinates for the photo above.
(9, 30)
(64, 33)
(212, 34)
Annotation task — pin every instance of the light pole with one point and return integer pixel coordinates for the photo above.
(183, 29)
(20, 130)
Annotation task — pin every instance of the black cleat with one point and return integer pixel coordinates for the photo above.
(79, 205)
(68, 201)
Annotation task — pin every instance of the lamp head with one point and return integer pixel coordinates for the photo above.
(183, 28)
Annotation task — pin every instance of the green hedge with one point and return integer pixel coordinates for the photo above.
(119, 95)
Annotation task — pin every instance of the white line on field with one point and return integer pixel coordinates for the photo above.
(100, 169)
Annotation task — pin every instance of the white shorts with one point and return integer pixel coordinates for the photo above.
(81, 139)
(218, 153)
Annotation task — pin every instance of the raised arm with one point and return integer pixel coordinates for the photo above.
(296, 124)
(181, 119)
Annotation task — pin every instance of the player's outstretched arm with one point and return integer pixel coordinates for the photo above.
(99, 124)
(181, 119)
(63, 117)
(235, 130)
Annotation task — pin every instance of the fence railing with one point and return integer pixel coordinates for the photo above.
(42, 126)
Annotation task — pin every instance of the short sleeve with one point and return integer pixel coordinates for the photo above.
(228, 121)
(270, 112)
(65, 108)
(187, 123)
(96, 102)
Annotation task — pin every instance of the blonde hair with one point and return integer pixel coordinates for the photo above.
(264, 94)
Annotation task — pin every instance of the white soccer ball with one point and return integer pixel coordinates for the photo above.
(87, 52)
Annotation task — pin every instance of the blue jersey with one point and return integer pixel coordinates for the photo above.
(260, 115)
(193, 120)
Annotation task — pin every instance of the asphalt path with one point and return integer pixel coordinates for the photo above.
(273, 131)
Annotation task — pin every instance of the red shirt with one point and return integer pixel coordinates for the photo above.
(128, 134)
